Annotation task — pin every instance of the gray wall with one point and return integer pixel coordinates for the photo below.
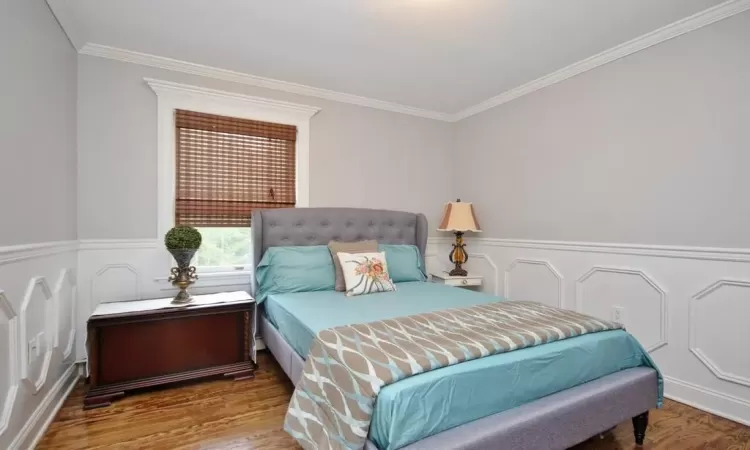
(651, 149)
(359, 156)
(37, 204)
(37, 126)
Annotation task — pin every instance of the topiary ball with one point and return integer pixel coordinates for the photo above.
(183, 237)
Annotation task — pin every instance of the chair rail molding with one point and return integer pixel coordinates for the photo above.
(537, 262)
(664, 322)
(11, 366)
(16, 253)
(664, 251)
(693, 327)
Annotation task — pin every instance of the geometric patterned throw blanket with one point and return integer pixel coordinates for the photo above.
(348, 365)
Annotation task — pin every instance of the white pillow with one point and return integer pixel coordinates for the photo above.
(365, 273)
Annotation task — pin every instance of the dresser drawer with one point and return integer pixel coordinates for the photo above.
(464, 282)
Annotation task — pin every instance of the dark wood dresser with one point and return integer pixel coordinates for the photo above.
(135, 345)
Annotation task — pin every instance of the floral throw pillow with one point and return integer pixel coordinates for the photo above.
(365, 273)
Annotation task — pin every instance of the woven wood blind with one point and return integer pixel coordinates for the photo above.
(226, 167)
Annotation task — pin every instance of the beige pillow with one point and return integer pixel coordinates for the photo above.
(365, 273)
(348, 247)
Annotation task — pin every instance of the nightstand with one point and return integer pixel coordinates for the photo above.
(147, 343)
(467, 281)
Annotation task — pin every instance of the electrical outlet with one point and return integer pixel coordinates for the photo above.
(33, 349)
(39, 343)
(618, 314)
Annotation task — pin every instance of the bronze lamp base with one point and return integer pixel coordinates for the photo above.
(458, 256)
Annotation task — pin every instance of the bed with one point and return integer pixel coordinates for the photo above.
(549, 396)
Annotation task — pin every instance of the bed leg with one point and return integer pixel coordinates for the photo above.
(640, 423)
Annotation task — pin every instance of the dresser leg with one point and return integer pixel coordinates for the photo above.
(101, 400)
(239, 375)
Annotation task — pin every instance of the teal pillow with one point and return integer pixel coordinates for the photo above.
(294, 269)
(404, 262)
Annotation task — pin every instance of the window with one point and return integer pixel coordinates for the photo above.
(221, 253)
(225, 168)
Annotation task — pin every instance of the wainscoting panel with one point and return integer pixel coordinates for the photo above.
(134, 269)
(685, 305)
(688, 307)
(9, 359)
(37, 304)
(725, 305)
(625, 290)
(534, 280)
(67, 311)
(114, 270)
(36, 323)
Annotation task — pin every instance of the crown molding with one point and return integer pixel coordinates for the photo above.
(161, 62)
(701, 19)
(686, 25)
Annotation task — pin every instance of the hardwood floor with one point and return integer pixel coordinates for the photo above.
(229, 415)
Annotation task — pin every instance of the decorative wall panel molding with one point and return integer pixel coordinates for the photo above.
(116, 282)
(671, 268)
(38, 290)
(66, 311)
(735, 334)
(495, 271)
(535, 262)
(8, 367)
(663, 331)
(28, 307)
(634, 280)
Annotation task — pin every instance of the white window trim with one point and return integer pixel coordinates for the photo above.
(172, 96)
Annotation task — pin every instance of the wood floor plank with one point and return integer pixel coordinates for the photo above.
(244, 415)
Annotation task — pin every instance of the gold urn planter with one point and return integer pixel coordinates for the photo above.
(182, 242)
(184, 274)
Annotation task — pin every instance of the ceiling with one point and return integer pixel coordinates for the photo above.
(437, 55)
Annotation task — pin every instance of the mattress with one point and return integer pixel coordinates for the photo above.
(429, 403)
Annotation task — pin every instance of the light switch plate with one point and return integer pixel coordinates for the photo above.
(618, 314)
(39, 342)
(33, 350)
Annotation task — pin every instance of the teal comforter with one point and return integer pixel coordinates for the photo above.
(429, 403)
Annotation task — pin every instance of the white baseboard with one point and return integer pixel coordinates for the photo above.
(46, 411)
(717, 403)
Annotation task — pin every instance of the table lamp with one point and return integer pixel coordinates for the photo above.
(459, 218)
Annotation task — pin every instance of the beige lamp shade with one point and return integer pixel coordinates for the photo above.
(459, 216)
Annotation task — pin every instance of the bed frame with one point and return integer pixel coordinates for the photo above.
(557, 421)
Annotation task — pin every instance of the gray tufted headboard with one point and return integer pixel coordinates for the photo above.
(319, 226)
